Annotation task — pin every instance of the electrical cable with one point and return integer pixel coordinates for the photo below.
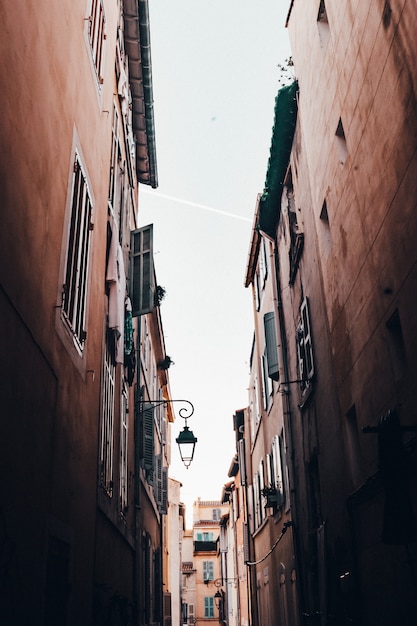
(283, 531)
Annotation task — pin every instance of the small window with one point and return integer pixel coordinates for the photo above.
(271, 346)
(325, 229)
(304, 346)
(161, 486)
(77, 262)
(267, 388)
(341, 142)
(107, 421)
(217, 513)
(123, 451)
(148, 457)
(208, 570)
(97, 36)
(323, 24)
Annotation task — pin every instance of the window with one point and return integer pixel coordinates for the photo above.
(208, 606)
(123, 451)
(217, 513)
(277, 465)
(296, 234)
(97, 36)
(323, 24)
(77, 261)
(271, 346)
(258, 486)
(325, 229)
(107, 421)
(208, 570)
(142, 282)
(148, 457)
(115, 182)
(341, 142)
(304, 346)
(161, 491)
(267, 388)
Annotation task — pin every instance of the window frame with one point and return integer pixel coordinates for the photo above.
(75, 288)
(108, 389)
(96, 36)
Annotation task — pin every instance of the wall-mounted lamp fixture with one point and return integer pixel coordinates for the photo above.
(186, 440)
(218, 597)
(219, 582)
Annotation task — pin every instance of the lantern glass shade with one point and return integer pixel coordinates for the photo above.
(186, 443)
(217, 598)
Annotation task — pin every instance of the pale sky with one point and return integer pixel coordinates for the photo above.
(215, 78)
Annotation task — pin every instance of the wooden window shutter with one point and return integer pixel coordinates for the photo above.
(161, 487)
(142, 281)
(271, 345)
(242, 461)
(246, 556)
(167, 609)
(148, 458)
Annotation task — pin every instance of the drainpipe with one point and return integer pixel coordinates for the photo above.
(137, 489)
(284, 378)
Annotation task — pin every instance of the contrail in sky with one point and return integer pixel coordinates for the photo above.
(195, 204)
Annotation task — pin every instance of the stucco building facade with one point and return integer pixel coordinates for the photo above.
(338, 220)
(84, 458)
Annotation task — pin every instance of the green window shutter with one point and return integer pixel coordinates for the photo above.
(142, 275)
(271, 346)
(148, 457)
(161, 486)
(208, 606)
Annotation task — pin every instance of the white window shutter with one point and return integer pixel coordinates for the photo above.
(308, 345)
(142, 275)
(271, 345)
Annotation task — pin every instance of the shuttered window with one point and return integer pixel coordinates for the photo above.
(97, 36)
(271, 345)
(208, 606)
(304, 344)
(277, 477)
(77, 261)
(142, 283)
(208, 570)
(161, 485)
(107, 421)
(123, 450)
(148, 458)
(242, 461)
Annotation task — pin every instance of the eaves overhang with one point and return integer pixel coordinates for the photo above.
(138, 49)
(281, 144)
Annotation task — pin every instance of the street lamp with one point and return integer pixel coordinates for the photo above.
(186, 440)
(218, 598)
